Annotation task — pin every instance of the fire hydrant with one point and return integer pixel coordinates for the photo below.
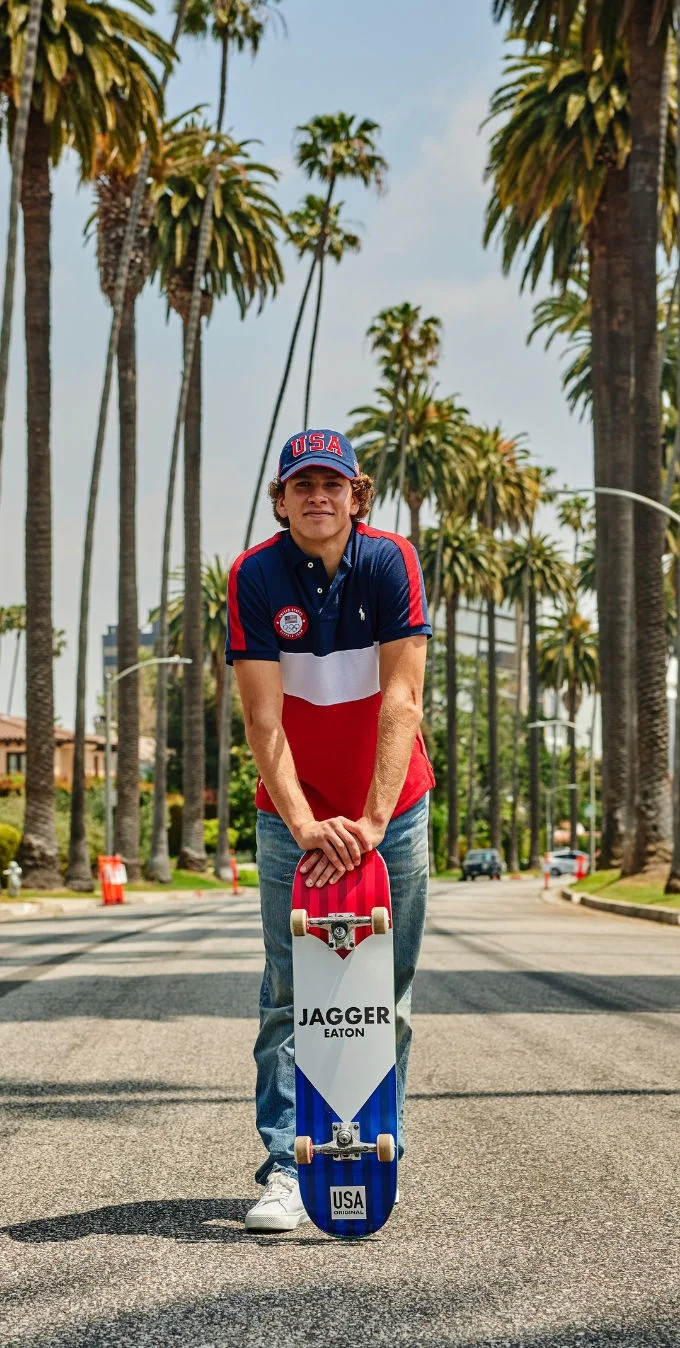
(14, 874)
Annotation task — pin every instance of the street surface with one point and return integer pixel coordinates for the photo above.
(540, 1197)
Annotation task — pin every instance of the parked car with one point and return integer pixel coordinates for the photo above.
(563, 862)
(482, 861)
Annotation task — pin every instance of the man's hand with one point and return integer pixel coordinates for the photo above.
(324, 866)
(333, 847)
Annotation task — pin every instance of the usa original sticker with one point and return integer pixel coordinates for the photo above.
(348, 1204)
(291, 622)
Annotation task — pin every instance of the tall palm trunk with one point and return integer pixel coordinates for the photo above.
(572, 699)
(391, 420)
(126, 832)
(403, 442)
(18, 152)
(492, 716)
(431, 681)
(452, 857)
(159, 861)
(514, 859)
(39, 855)
(414, 507)
(673, 881)
(534, 742)
(13, 678)
(472, 765)
(315, 335)
(653, 821)
(193, 856)
(611, 325)
(287, 369)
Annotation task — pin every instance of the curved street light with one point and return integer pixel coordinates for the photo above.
(109, 680)
(619, 491)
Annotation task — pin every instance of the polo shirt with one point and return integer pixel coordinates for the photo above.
(326, 635)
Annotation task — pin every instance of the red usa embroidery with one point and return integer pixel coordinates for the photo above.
(291, 622)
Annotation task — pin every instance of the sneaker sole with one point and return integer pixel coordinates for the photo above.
(263, 1223)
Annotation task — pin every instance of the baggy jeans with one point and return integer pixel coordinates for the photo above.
(404, 849)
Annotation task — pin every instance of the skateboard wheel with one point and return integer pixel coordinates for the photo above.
(384, 1144)
(304, 1150)
(380, 921)
(298, 921)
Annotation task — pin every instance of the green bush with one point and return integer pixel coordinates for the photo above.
(210, 835)
(12, 811)
(9, 842)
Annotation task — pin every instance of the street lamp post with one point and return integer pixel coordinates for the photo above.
(573, 786)
(109, 680)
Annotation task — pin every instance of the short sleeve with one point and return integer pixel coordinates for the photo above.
(250, 631)
(402, 607)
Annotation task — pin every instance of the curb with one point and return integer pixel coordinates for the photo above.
(651, 912)
(33, 909)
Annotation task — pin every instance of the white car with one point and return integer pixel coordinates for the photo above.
(563, 862)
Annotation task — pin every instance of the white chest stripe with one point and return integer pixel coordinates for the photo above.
(326, 680)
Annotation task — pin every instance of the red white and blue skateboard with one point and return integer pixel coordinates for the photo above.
(345, 1073)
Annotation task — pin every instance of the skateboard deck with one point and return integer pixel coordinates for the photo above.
(345, 1073)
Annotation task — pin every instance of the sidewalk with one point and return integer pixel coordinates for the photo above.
(13, 910)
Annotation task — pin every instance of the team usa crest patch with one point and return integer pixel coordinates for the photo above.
(291, 622)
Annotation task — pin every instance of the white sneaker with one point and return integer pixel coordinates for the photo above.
(280, 1207)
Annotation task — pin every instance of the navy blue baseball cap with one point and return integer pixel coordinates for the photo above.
(317, 449)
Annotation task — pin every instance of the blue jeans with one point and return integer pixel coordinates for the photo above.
(404, 849)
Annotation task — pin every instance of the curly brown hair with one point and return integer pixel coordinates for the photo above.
(363, 492)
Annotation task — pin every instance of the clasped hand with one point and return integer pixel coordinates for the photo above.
(335, 846)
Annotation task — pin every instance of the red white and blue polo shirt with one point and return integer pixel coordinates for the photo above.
(326, 634)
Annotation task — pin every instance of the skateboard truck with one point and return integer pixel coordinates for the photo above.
(340, 926)
(346, 1146)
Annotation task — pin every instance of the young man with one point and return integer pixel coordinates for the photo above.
(327, 631)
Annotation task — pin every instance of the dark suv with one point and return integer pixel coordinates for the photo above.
(482, 861)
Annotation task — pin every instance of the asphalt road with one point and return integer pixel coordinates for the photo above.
(540, 1197)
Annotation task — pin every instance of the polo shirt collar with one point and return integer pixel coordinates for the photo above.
(299, 558)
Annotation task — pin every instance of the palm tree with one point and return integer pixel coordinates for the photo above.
(536, 569)
(307, 232)
(242, 257)
(18, 151)
(645, 24)
(408, 348)
(91, 77)
(436, 455)
(329, 148)
(653, 806)
(114, 186)
(470, 568)
(504, 494)
(560, 175)
(78, 874)
(569, 651)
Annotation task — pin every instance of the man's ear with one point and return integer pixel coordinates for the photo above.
(354, 508)
(281, 507)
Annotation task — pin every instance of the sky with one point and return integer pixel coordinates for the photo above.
(427, 83)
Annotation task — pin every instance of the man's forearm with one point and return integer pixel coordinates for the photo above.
(398, 725)
(271, 751)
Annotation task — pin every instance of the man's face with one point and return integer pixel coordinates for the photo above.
(318, 504)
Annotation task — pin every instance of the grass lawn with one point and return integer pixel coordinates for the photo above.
(188, 880)
(635, 889)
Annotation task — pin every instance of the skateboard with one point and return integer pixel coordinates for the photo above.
(345, 1072)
